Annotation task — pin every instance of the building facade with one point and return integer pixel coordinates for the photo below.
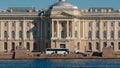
(62, 25)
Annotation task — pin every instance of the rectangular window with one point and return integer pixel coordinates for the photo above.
(119, 34)
(21, 23)
(104, 34)
(13, 23)
(89, 34)
(97, 34)
(112, 24)
(6, 23)
(97, 24)
(112, 34)
(105, 24)
(119, 45)
(28, 34)
(5, 46)
(76, 34)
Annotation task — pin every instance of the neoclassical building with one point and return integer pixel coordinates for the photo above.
(62, 25)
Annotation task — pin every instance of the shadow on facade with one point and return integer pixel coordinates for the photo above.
(41, 34)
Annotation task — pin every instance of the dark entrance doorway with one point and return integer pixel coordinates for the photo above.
(62, 46)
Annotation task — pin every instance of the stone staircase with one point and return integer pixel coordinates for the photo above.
(20, 52)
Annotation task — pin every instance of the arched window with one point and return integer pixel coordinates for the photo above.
(112, 44)
(5, 34)
(78, 45)
(104, 44)
(34, 46)
(89, 46)
(119, 45)
(28, 46)
(20, 34)
(97, 46)
(13, 46)
(13, 34)
(5, 46)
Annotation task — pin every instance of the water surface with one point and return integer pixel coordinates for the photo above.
(71, 63)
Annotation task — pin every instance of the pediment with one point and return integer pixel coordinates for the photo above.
(62, 14)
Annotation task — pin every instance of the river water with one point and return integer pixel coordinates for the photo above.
(70, 63)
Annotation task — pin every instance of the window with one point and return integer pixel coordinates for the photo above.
(97, 46)
(28, 24)
(119, 34)
(13, 46)
(112, 44)
(13, 34)
(5, 46)
(104, 34)
(6, 23)
(90, 24)
(119, 45)
(89, 34)
(112, 34)
(76, 34)
(47, 46)
(20, 34)
(119, 24)
(5, 34)
(28, 46)
(28, 34)
(97, 24)
(78, 45)
(112, 24)
(20, 43)
(34, 46)
(62, 46)
(13, 23)
(105, 24)
(62, 35)
(89, 46)
(21, 23)
(97, 34)
(104, 44)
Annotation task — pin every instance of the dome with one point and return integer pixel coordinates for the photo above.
(62, 4)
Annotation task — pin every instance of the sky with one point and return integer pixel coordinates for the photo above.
(44, 4)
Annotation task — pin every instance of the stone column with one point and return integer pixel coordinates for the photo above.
(79, 29)
(52, 29)
(108, 30)
(115, 30)
(86, 30)
(9, 30)
(58, 33)
(17, 30)
(93, 30)
(67, 29)
(73, 32)
(101, 30)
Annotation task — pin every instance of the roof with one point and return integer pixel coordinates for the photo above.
(62, 4)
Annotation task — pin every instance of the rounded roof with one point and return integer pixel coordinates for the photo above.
(62, 4)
